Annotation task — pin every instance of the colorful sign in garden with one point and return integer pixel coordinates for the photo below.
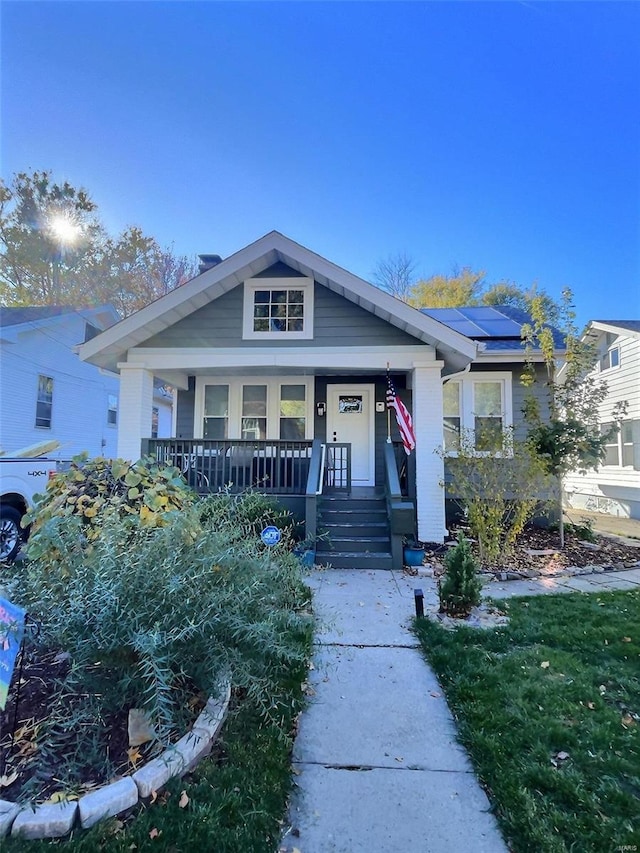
(11, 633)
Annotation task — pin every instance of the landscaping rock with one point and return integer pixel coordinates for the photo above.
(107, 801)
(175, 761)
(213, 716)
(50, 820)
(8, 811)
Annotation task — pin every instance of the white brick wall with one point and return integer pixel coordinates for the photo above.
(427, 419)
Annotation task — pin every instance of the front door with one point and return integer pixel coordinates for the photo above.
(350, 419)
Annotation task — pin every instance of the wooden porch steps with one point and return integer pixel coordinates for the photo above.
(357, 531)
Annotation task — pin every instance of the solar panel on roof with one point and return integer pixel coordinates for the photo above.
(480, 321)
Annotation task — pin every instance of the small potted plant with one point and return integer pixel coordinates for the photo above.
(412, 553)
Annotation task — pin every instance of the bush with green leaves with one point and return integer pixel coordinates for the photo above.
(155, 617)
(498, 490)
(96, 489)
(459, 588)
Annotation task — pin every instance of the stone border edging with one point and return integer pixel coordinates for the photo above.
(53, 820)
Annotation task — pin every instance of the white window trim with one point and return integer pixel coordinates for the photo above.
(467, 384)
(303, 283)
(618, 441)
(608, 351)
(236, 384)
(110, 408)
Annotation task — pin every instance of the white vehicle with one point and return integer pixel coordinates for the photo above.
(20, 480)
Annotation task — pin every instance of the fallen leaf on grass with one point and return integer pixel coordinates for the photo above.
(183, 802)
(545, 664)
(155, 833)
(626, 639)
(628, 721)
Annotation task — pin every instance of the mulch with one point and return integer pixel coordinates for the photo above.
(605, 551)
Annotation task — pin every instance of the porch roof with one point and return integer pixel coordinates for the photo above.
(111, 347)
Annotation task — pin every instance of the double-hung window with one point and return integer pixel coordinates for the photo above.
(215, 420)
(255, 409)
(278, 308)
(619, 448)
(44, 402)
(477, 409)
(112, 410)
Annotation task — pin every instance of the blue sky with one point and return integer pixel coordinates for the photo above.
(503, 136)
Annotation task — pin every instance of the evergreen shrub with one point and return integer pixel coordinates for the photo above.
(459, 588)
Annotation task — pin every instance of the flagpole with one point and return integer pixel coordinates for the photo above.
(388, 409)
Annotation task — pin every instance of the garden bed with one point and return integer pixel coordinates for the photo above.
(577, 553)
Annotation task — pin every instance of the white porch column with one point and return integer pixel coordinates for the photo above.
(134, 409)
(427, 422)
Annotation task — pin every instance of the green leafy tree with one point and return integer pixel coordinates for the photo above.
(570, 438)
(54, 250)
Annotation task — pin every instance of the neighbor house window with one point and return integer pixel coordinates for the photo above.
(278, 308)
(215, 423)
(293, 412)
(254, 412)
(611, 358)
(112, 410)
(155, 421)
(44, 402)
(619, 447)
(478, 405)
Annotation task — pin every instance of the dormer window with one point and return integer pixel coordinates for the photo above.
(278, 308)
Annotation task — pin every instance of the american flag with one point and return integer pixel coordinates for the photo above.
(405, 424)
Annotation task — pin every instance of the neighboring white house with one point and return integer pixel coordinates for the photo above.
(47, 392)
(614, 488)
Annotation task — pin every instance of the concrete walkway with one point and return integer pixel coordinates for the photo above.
(377, 765)
(378, 768)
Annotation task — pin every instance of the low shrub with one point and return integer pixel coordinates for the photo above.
(459, 588)
(157, 616)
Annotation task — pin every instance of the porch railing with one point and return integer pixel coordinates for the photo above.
(276, 467)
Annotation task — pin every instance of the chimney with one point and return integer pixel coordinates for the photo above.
(207, 262)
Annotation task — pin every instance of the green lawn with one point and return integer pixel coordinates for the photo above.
(549, 710)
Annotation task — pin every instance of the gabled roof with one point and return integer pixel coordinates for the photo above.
(111, 347)
(497, 328)
(15, 321)
(17, 316)
(630, 327)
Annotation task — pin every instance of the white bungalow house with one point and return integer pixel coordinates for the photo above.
(614, 488)
(280, 358)
(48, 393)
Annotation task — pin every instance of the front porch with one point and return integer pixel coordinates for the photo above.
(313, 480)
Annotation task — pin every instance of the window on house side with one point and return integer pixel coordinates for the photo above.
(44, 402)
(488, 415)
(112, 410)
(216, 412)
(155, 420)
(451, 403)
(612, 448)
(611, 358)
(478, 406)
